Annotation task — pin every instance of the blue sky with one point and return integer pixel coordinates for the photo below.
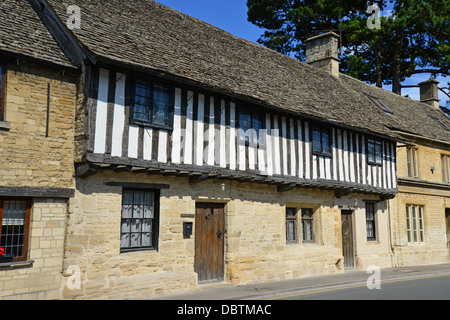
(231, 16)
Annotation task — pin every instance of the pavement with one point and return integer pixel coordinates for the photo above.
(267, 290)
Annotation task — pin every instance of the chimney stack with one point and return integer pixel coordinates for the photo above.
(429, 92)
(322, 52)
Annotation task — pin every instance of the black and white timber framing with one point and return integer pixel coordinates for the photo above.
(205, 139)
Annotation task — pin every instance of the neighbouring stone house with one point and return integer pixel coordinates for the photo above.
(198, 157)
(419, 224)
(38, 96)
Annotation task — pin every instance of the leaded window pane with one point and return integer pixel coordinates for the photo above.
(370, 221)
(138, 219)
(13, 227)
(291, 230)
(291, 224)
(151, 103)
(317, 141)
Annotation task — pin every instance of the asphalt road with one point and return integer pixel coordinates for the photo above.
(421, 288)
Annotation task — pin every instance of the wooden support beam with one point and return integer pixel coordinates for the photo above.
(198, 178)
(138, 170)
(286, 187)
(85, 169)
(137, 185)
(343, 192)
(37, 192)
(387, 197)
(169, 172)
(123, 169)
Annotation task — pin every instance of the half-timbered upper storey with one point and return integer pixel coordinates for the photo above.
(151, 123)
(168, 92)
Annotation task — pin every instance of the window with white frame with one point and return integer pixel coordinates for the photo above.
(411, 159)
(445, 164)
(414, 223)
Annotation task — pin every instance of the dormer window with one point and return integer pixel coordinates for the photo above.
(379, 103)
(438, 121)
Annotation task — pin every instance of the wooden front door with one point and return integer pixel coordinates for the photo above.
(209, 241)
(347, 238)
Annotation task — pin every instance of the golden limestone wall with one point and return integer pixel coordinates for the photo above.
(428, 161)
(29, 158)
(41, 280)
(433, 249)
(255, 238)
(32, 160)
(429, 191)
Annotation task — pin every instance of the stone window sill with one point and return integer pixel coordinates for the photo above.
(5, 125)
(17, 264)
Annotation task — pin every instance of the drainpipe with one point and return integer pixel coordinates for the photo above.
(391, 237)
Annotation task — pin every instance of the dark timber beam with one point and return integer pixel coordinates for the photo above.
(37, 192)
(85, 169)
(343, 192)
(137, 185)
(286, 187)
(198, 178)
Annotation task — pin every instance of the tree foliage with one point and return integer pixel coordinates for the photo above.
(413, 38)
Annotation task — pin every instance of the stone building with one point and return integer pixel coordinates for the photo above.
(196, 156)
(38, 97)
(420, 211)
(203, 157)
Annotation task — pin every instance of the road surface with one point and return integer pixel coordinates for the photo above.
(420, 288)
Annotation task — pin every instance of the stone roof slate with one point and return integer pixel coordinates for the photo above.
(22, 33)
(146, 34)
(408, 115)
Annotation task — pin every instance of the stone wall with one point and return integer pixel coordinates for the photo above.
(255, 241)
(32, 160)
(429, 191)
(429, 161)
(41, 280)
(29, 158)
(433, 250)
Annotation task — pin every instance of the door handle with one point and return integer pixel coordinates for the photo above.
(219, 234)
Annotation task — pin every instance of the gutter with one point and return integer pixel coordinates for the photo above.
(420, 137)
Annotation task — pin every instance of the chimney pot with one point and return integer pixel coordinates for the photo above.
(322, 52)
(429, 92)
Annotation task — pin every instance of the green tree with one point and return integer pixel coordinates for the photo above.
(413, 39)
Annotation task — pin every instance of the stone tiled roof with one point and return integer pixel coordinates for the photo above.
(22, 33)
(408, 115)
(146, 34)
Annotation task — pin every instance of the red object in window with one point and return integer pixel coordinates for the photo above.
(2, 252)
